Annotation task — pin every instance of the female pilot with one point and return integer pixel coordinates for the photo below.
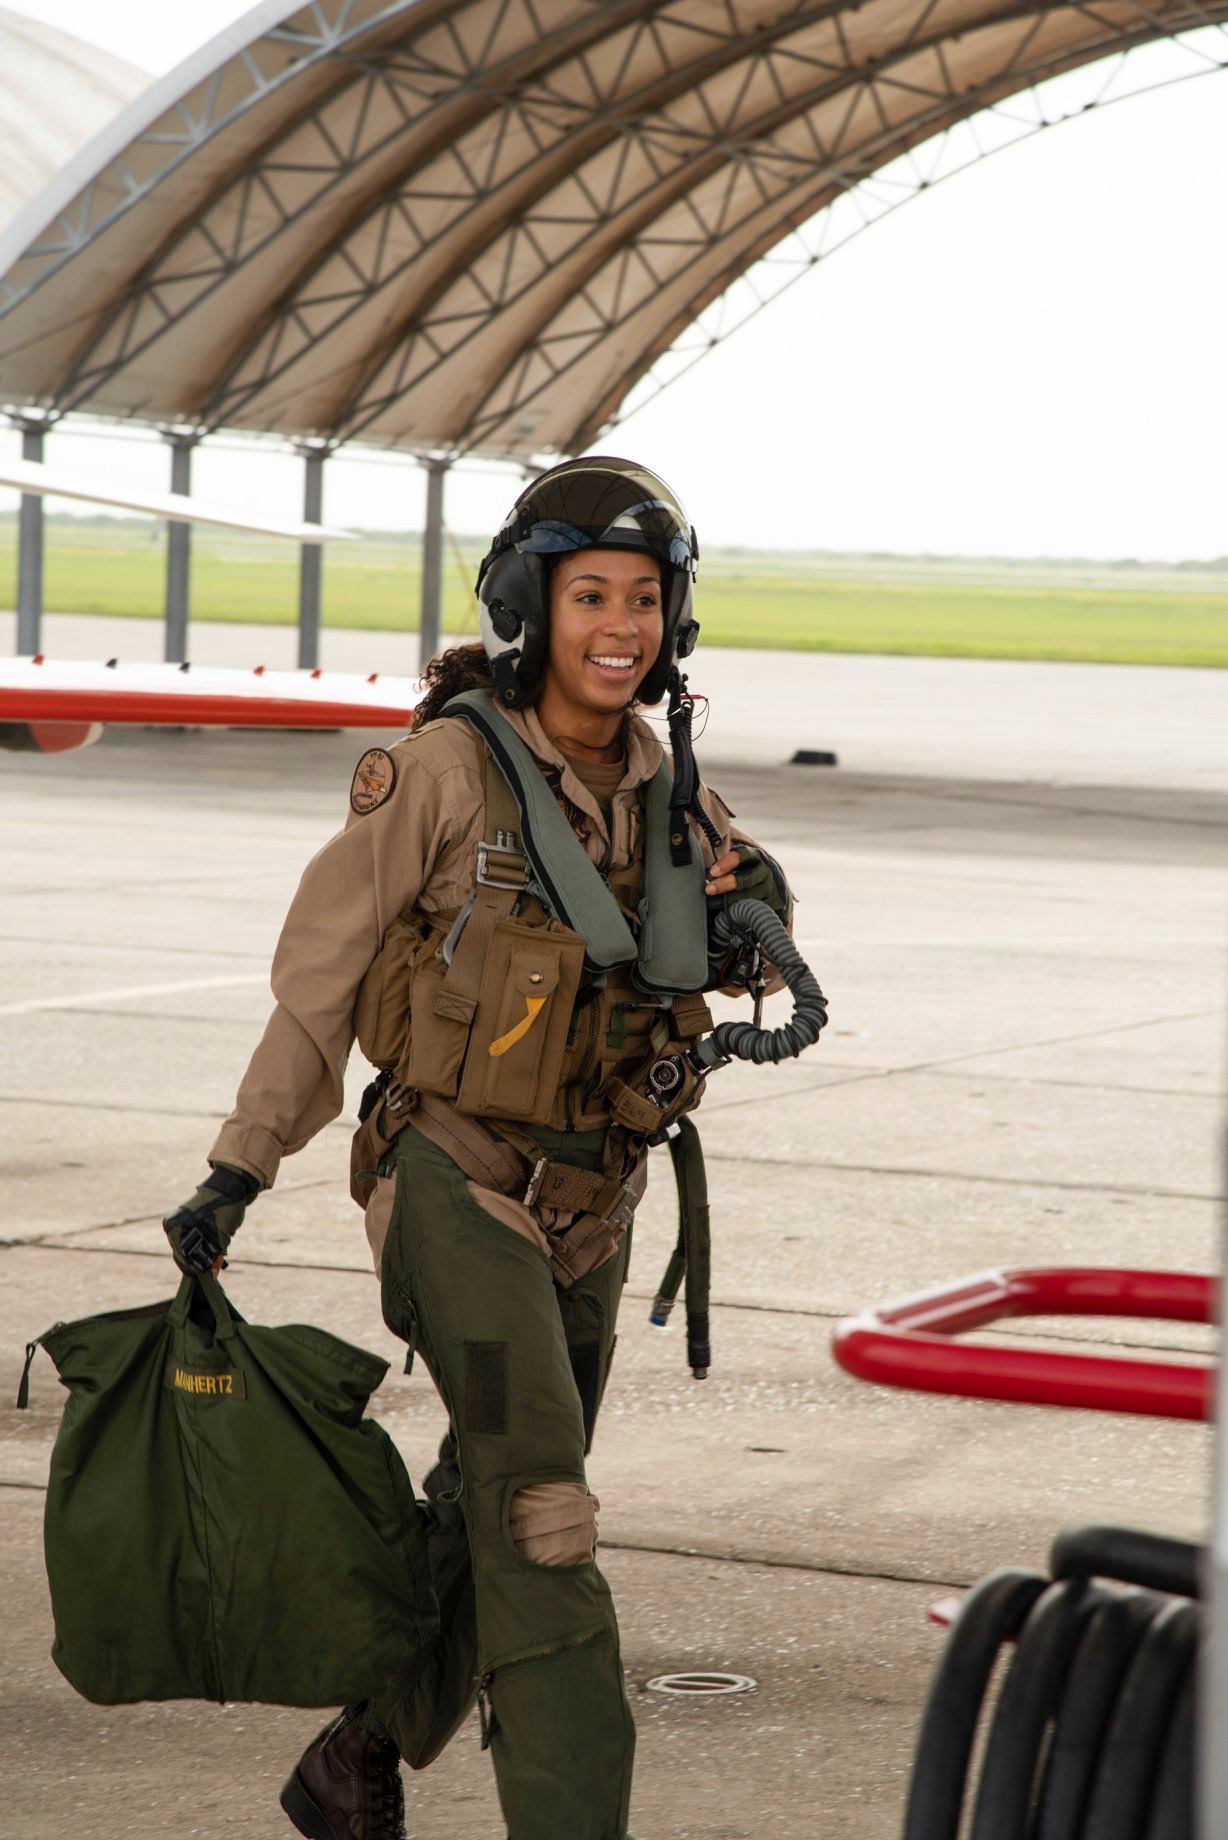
(513, 923)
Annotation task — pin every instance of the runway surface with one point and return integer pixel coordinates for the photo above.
(1013, 889)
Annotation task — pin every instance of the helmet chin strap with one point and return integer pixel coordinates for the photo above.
(684, 795)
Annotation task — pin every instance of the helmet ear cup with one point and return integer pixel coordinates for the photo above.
(505, 620)
(514, 620)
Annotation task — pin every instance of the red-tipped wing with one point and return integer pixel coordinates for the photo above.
(41, 691)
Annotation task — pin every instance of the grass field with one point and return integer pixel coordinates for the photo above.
(1122, 614)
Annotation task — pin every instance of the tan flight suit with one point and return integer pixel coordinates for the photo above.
(416, 849)
(520, 1353)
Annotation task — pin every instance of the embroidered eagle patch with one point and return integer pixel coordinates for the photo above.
(374, 777)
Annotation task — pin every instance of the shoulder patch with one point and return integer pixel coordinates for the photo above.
(374, 777)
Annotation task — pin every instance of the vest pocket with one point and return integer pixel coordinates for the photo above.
(381, 1009)
(436, 1043)
(528, 991)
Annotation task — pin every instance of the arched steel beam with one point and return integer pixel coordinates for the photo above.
(729, 257)
(607, 413)
(142, 317)
(611, 233)
(167, 125)
(483, 216)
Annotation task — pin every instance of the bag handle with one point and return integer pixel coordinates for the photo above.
(23, 1385)
(215, 1297)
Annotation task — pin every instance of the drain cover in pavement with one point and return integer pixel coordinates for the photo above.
(707, 1685)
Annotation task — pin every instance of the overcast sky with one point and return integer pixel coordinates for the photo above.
(1028, 360)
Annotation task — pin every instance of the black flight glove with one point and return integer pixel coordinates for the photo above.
(760, 877)
(201, 1230)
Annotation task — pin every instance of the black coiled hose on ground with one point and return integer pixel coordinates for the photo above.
(743, 1041)
(1091, 1735)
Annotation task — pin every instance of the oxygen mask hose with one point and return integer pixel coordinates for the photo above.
(742, 921)
(745, 1041)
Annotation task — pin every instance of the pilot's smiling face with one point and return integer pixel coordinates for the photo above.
(606, 626)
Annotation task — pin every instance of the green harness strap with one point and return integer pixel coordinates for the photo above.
(673, 955)
(691, 1257)
(672, 952)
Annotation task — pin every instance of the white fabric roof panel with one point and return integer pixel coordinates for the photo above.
(55, 91)
(472, 224)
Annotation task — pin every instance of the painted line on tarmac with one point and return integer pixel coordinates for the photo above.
(977, 1054)
(787, 1565)
(1148, 1192)
(720, 1558)
(50, 1242)
(83, 998)
(101, 1105)
(817, 1314)
(104, 945)
(54, 1242)
(164, 1016)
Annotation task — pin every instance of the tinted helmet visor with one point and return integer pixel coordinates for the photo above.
(599, 503)
(651, 526)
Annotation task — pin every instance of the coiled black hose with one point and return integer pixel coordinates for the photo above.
(1092, 1736)
(1172, 1807)
(742, 1041)
(1096, 1675)
(991, 1615)
(1151, 1560)
(1031, 1694)
(1133, 1749)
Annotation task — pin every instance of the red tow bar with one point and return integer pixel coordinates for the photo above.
(909, 1343)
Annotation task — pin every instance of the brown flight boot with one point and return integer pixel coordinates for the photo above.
(347, 1785)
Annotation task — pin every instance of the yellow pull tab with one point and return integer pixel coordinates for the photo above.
(531, 1005)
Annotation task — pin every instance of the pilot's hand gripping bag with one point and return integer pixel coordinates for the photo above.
(222, 1522)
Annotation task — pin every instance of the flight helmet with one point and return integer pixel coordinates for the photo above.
(596, 502)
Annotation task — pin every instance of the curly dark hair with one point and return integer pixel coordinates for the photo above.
(457, 668)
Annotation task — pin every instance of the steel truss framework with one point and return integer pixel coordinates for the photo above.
(478, 225)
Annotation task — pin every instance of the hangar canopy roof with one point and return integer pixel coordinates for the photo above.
(463, 225)
(56, 92)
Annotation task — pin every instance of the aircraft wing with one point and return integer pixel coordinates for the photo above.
(33, 476)
(53, 705)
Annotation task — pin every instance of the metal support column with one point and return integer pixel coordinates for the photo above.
(432, 563)
(311, 560)
(30, 548)
(1212, 1773)
(178, 553)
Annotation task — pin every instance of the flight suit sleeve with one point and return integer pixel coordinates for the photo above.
(731, 836)
(349, 895)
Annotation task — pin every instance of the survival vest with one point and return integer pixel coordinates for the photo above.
(540, 998)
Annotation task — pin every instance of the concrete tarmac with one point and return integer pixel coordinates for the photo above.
(1013, 890)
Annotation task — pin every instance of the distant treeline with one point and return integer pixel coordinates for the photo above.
(730, 552)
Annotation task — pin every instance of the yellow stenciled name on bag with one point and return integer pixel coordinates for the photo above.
(205, 1382)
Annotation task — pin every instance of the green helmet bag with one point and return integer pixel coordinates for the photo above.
(222, 1522)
